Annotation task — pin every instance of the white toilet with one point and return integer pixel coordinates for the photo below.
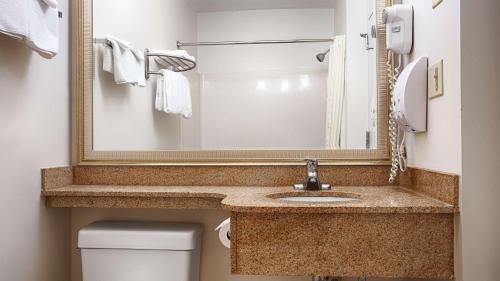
(145, 251)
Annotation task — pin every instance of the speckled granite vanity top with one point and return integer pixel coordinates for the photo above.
(400, 231)
(369, 199)
(243, 189)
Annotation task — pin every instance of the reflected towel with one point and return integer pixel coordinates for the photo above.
(33, 22)
(125, 62)
(173, 94)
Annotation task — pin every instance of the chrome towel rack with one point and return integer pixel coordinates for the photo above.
(173, 63)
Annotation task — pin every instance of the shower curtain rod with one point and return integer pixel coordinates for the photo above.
(258, 42)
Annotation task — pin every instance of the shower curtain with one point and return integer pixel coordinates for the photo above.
(336, 93)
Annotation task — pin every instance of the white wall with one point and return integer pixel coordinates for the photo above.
(124, 115)
(480, 139)
(437, 35)
(359, 90)
(35, 133)
(263, 96)
(340, 19)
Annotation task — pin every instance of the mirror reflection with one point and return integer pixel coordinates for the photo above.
(234, 74)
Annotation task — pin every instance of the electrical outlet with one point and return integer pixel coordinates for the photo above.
(436, 3)
(435, 80)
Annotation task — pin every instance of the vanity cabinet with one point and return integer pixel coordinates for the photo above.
(343, 244)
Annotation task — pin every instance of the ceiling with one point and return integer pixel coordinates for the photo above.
(235, 5)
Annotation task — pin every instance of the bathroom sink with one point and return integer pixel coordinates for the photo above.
(315, 197)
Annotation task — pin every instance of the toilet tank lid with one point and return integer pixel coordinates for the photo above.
(140, 235)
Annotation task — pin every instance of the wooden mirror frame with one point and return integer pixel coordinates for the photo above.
(82, 141)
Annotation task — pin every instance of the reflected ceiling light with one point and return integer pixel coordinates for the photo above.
(261, 86)
(285, 86)
(305, 81)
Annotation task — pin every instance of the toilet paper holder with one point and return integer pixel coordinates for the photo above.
(224, 230)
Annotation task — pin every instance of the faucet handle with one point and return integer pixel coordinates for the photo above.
(326, 186)
(312, 166)
(299, 186)
(312, 181)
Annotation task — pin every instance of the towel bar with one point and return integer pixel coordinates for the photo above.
(174, 63)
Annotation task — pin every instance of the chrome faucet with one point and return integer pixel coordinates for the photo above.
(312, 181)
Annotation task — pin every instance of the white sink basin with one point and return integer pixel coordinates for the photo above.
(316, 199)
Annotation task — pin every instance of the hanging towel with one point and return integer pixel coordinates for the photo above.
(13, 18)
(33, 22)
(173, 94)
(124, 61)
(44, 30)
(108, 51)
(173, 53)
(336, 93)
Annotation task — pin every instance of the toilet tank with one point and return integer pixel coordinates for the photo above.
(140, 251)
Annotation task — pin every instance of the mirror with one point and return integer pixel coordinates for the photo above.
(234, 76)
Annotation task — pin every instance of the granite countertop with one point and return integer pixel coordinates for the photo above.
(371, 199)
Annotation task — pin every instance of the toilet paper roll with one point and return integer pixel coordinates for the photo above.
(225, 233)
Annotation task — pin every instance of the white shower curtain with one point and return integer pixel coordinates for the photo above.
(336, 93)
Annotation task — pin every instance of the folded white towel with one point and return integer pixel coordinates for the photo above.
(173, 53)
(173, 94)
(13, 18)
(125, 62)
(33, 22)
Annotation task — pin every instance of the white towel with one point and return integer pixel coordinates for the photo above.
(173, 94)
(125, 62)
(33, 22)
(13, 18)
(173, 53)
(108, 51)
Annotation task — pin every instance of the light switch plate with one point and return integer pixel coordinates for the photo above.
(435, 80)
(436, 3)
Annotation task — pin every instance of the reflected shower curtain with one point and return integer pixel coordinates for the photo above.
(336, 93)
